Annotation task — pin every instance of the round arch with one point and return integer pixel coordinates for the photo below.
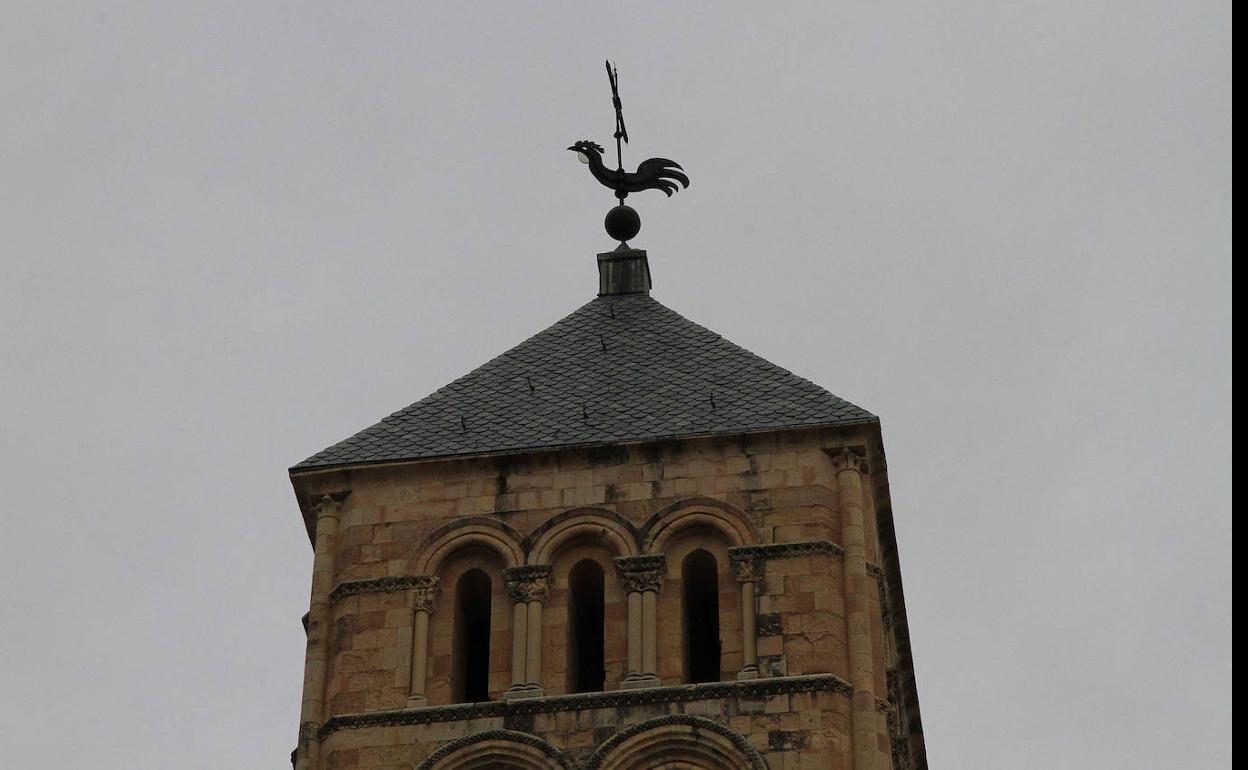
(733, 523)
(497, 748)
(677, 740)
(597, 524)
(489, 533)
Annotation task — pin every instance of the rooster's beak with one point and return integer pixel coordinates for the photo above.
(573, 147)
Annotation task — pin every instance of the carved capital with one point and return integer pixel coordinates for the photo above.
(641, 573)
(848, 458)
(329, 505)
(528, 583)
(307, 731)
(748, 566)
(424, 591)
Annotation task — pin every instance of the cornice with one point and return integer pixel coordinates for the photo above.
(756, 688)
(784, 550)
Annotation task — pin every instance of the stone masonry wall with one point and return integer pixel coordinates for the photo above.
(790, 731)
(774, 495)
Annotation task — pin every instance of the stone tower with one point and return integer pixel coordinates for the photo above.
(624, 544)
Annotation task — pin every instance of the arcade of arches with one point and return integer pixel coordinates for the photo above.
(559, 626)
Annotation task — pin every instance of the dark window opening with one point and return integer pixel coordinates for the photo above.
(470, 681)
(586, 671)
(700, 599)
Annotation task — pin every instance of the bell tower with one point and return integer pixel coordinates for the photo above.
(622, 543)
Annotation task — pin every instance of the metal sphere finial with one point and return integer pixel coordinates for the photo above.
(622, 223)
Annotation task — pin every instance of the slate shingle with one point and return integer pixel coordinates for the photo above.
(660, 376)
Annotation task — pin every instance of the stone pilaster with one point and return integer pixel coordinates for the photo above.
(528, 587)
(747, 569)
(850, 466)
(423, 594)
(641, 577)
(328, 512)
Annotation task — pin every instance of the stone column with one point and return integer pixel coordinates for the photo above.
(641, 577)
(527, 586)
(849, 467)
(519, 644)
(650, 636)
(307, 753)
(747, 575)
(423, 592)
(537, 600)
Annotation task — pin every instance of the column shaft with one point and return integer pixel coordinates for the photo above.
(315, 661)
(634, 632)
(519, 643)
(422, 596)
(534, 667)
(649, 632)
(858, 608)
(420, 656)
(641, 577)
(749, 632)
(528, 587)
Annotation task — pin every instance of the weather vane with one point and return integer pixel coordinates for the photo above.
(622, 222)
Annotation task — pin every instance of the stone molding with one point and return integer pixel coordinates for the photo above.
(749, 520)
(784, 550)
(754, 688)
(528, 583)
(739, 741)
(446, 749)
(533, 540)
(641, 573)
(378, 585)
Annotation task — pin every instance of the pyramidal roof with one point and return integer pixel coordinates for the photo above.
(622, 368)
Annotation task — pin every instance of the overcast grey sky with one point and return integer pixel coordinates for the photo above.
(235, 233)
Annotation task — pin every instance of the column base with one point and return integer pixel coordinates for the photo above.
(417, 701)
(635, 681)
(523, 691)
(748, 672)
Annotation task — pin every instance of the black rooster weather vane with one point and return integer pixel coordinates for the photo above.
(623, 222)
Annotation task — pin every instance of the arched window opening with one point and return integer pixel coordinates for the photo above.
(471, 676)
(700, 600)
(586, 671)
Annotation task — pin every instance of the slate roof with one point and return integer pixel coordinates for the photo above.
(619, 369)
